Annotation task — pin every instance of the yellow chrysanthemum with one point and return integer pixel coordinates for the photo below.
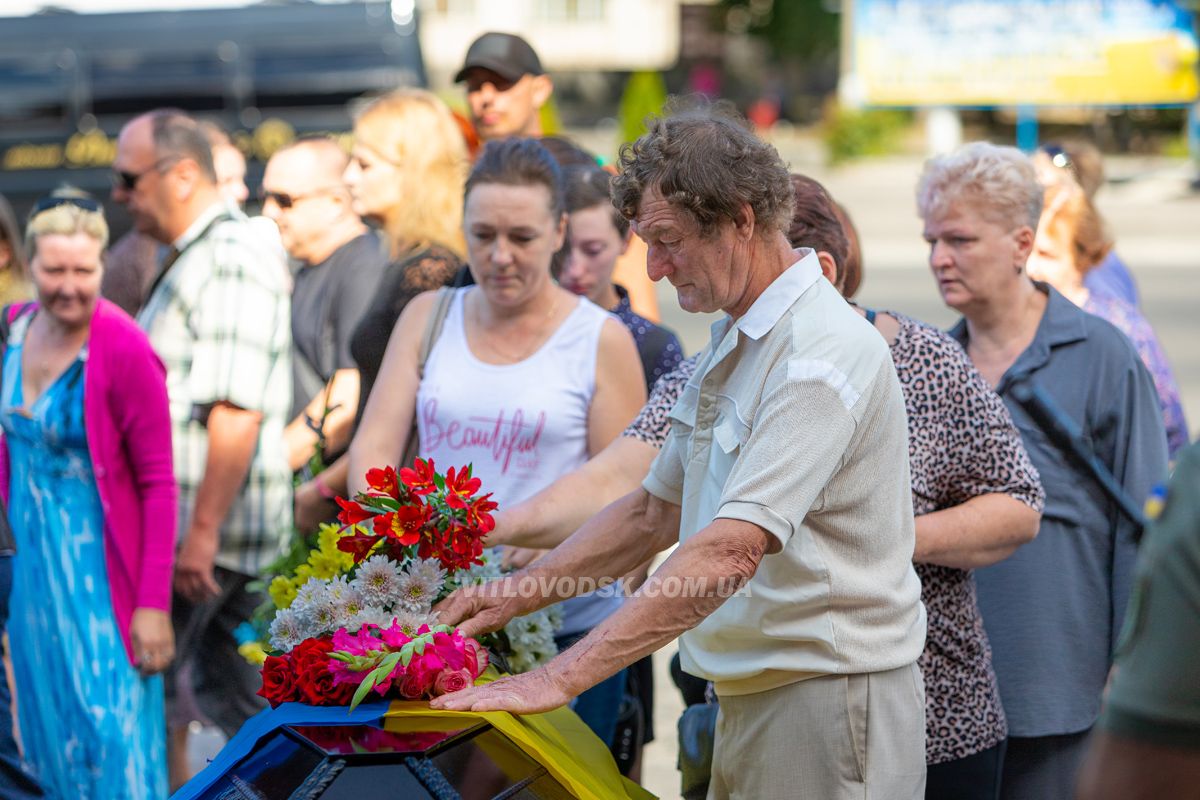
(324, 566)
(282, 591)
(327, 541)
(253, 653)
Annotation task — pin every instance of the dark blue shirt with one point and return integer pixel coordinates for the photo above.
(659, 347)
(1054, 608)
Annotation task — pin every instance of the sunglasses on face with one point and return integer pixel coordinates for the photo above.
(285, 201)
(128, 181)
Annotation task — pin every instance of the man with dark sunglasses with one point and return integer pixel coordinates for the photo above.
(218, 316)
(339, 262)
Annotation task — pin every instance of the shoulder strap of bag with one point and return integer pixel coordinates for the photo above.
(433, 329)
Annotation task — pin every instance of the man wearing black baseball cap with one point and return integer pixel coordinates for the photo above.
(506, 86)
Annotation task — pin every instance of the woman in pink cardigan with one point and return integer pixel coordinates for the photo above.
(85, 464)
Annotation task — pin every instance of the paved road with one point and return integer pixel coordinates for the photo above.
(1155, 220)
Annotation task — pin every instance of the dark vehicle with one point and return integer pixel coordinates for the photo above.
(266, 73)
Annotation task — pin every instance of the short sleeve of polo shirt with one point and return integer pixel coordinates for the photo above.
(784, 459)
(665, 478)
(234, 320)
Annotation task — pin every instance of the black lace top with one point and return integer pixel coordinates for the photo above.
(420, 271)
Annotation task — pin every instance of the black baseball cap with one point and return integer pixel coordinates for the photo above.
(505, 54)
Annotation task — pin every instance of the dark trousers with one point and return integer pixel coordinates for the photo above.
(15, 782)
(975, 777)
(1043, 767)
(210, 681)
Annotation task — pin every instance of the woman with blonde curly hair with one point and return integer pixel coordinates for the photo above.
(406, 174)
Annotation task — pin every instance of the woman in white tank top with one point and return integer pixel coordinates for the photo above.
(526, 380)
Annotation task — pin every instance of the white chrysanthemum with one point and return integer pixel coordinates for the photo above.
(531, 639)
(312, 592)
(286, 630)
(351, 604)
(428, 569)
(378, 580)
(322, 618)
(369, 615)
(417, 592)
(337, 588)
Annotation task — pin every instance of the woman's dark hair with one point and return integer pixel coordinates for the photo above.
(854, 259)
(567, 153)
(518, 162)
(587, 187)
(815, 221)
(10, 233)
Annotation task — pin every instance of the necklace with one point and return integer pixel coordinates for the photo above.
(509, 357)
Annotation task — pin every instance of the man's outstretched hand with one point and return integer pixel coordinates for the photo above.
(476, 610)
(530, 693)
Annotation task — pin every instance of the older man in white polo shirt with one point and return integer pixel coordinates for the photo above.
(785, 475)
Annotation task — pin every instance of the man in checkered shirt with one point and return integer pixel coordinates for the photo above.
(219, 317)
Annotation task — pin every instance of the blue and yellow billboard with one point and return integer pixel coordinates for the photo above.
(1023, 52)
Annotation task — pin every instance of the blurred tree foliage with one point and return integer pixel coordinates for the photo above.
(644, 96)
(794, 30)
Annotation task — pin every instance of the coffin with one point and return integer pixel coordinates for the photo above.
(407, 750)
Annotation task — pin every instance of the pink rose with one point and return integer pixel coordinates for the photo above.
(477, 657)
(452, 681)
(416, 683)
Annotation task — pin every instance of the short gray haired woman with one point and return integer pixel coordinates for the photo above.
(1052, 610)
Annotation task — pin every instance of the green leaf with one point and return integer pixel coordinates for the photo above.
(439, 482)
(419, 645)
(406, 654)
(367, 685)
(389, 503)
(389, 662)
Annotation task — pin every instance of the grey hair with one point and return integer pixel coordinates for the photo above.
(1002, 180)
(707, 163)
(177, 135)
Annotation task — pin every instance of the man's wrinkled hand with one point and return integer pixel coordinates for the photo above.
(476, 610)
(530, 693)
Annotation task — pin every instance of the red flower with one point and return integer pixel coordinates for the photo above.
(279, 681)
(359, 544)
(314, 681)
(479, 513)
(352, 513)
(419, 479)
(384, 481)
(404, 525)
(460, 487)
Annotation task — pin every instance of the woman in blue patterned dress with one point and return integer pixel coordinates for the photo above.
(89, 626)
